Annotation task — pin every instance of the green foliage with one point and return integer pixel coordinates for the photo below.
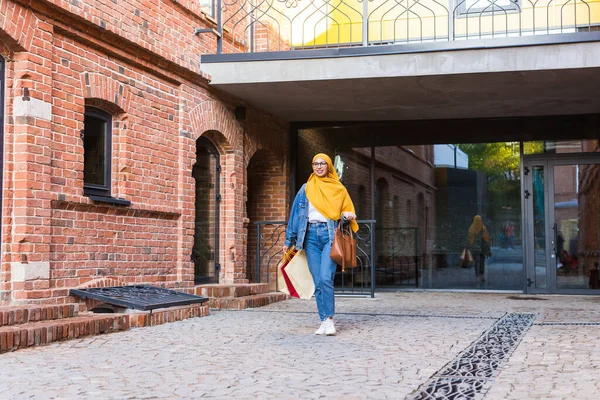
(500, 162)
(497, 160)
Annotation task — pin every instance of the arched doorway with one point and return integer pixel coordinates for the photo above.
(205, 252)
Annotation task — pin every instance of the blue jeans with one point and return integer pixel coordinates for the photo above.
(322, 267)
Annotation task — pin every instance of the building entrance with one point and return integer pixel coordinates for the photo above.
(518, 214)
(205, 253)
(562, 204)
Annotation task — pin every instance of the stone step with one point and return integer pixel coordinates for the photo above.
(167, 315)
(14, 337)
(241, 303)
(44, 332)
(15, 315)
(231, 290)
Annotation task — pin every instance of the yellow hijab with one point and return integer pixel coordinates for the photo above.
(328, 195)
(476, 227)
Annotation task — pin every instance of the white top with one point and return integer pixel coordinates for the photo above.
(314, 215)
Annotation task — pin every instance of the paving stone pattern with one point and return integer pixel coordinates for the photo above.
(386, 348)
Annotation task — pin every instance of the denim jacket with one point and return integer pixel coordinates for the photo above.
(298, 222)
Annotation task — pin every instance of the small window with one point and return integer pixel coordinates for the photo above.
(487, 6)
(208, 7)
(97, 141)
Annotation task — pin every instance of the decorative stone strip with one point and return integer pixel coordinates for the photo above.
(568, 324)
(383, 314)
(420, 315)
(472, 372)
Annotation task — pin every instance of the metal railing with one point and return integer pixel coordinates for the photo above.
(355, 281)
(397, 256)
(279, 25)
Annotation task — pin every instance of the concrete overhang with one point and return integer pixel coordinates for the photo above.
(522, 76)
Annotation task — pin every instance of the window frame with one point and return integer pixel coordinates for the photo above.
(463, 11)
(211, 11)
(90, 189)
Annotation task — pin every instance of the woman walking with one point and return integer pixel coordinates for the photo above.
(319, 205)
(479, 242)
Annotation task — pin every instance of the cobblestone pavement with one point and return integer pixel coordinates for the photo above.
(386, 348)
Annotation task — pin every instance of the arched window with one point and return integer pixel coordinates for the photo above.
(205, 252)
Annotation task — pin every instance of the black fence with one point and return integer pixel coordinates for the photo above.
(387, 257)
(279, 25)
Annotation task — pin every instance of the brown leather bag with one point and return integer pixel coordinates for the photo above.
(343, 248)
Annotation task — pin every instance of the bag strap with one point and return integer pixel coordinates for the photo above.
(341, 229)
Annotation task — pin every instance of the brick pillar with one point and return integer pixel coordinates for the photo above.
(232, 224)
(32, 157)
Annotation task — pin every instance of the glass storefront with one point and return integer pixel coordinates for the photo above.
(563, 213)
(424, 200)
(473, 216)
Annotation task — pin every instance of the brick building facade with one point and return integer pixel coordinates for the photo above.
(137, 63)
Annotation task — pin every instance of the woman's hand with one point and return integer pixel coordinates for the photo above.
(348, 216)
(285, 249)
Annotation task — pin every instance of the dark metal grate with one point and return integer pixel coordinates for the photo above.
(471, 373)
(452, 389)
(139, 297)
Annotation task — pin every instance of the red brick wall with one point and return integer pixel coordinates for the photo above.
(140, 64)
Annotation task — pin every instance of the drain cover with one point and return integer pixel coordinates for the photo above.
(139, 297)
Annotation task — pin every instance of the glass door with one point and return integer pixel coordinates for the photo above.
(562, 209)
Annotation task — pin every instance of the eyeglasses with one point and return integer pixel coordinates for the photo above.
(319, 164)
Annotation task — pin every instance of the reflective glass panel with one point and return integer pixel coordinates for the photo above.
(577, 225)
(474, 231)
(560, 146)
(539, 227)
(354, 166)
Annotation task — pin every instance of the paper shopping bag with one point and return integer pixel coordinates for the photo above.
(299, 276)
(466, 258)
(283, 282)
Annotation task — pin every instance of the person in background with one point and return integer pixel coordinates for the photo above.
(509, 232)
(479, 241)
(319, 205)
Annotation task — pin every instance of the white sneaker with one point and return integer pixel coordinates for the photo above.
(321, 330)
(329, 327)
